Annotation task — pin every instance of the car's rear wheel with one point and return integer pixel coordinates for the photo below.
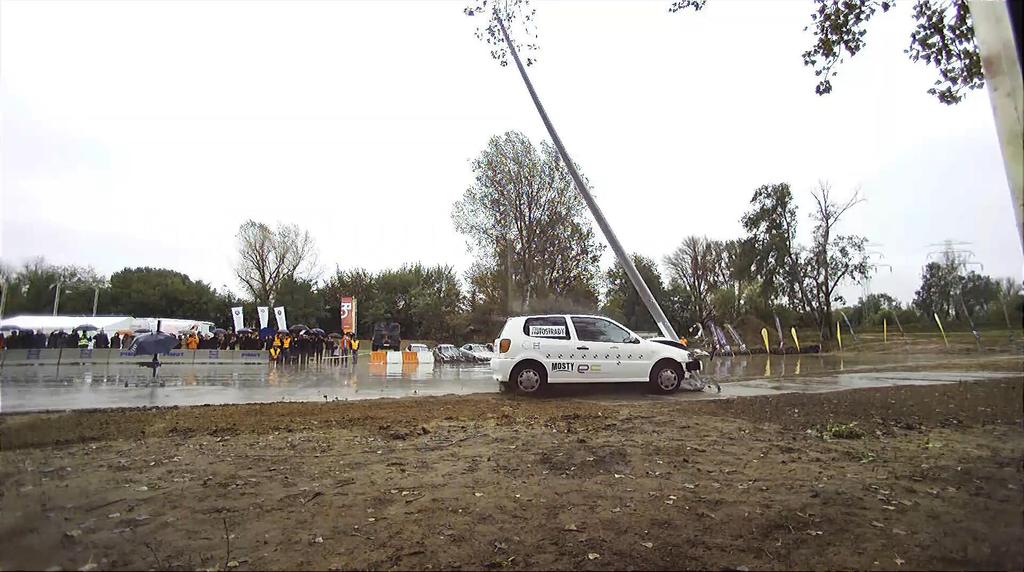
(666, 376)
(529, 378)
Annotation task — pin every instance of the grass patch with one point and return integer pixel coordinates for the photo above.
(834, 430)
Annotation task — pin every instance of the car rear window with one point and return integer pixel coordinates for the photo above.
(553, 327)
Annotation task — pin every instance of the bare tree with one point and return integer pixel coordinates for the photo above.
(832, 259)
(268, 256)
(698, 264)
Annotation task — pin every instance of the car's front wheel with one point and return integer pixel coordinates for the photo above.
(666, 376)
(529, 377)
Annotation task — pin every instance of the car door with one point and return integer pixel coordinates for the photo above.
(609, 353)
(549, 338)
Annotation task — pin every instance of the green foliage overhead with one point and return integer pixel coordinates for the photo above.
(942, 37)
(518, 18)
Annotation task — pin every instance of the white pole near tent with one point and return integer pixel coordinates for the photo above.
(56, 297)
(613, 241)
(3, 299)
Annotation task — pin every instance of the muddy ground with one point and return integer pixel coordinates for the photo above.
(893, 478)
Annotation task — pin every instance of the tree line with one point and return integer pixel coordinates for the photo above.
(535, 251)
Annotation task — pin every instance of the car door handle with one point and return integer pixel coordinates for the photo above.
(582, 348)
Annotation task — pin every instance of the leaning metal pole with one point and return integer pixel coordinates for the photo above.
(620, 253)
(993, 31)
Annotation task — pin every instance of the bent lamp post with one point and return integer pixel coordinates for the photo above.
(613, 241)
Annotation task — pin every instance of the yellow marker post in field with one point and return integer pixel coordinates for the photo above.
(796, 340)
(885, 330)
(839, 336)
(941, 329)
(764, 335)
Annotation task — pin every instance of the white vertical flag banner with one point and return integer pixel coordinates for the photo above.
(236, 315)
(282, 324)
(264, 312)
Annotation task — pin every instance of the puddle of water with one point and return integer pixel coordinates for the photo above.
(32, 388)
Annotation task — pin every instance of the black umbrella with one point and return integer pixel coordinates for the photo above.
(142, 331)
(298, 327)
(9, 328)
(318, 331)
(154, 343)
(87, 328)
(219, 331)
(245, 331)
(282, 331)
(335, 336)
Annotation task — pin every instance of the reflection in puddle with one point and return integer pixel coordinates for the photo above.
(74, 387)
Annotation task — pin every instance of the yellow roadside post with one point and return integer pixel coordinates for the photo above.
(839, 336)
(885, 330)
(764, 335)
(796, 340)
(941, 329)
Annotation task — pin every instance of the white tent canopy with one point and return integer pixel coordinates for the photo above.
(172, 325)
(47, 324)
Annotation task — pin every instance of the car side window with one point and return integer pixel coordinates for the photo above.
(552, 327)
(599, 330)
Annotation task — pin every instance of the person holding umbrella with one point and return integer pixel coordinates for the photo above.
(153, 343)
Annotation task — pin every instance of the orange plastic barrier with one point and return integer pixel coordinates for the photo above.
(378, 356)
(410, 357)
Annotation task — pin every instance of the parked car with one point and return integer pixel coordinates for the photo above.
(478, 352)
(447, 353)
(417, 348)
(536, 350)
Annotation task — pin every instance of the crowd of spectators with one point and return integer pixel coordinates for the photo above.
(29, 339)
(283, 346)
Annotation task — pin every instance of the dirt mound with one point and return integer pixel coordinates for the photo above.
(906, 477)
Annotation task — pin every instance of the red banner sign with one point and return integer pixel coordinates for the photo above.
(348, 314)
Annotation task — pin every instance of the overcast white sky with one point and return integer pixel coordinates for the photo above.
(144, 133)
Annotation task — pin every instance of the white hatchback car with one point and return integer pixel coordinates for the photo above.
(535, 350)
